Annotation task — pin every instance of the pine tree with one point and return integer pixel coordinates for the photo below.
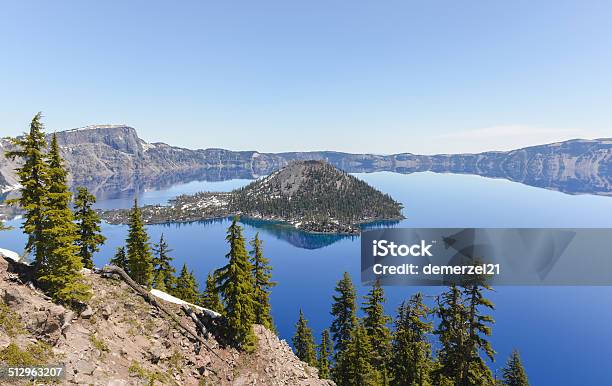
(236, 288)
(60, 274)
(303, 342)
(354, 363)
(411, 361)
(376, 325)
(344, 312)
(514, 373)
(210, 296)
(138, 251)
(120, 259)
(162, 265)
(324, 354)
(451, 333)
(262, 275)
(158, 282)
(33, 177)
(475, 370)
(187, 287)
(88, 225)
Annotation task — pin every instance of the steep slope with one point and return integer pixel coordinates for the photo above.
(110, 159)
(124, 340)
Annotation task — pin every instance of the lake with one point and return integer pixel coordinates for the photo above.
(562, 332)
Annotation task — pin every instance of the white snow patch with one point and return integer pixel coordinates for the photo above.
(169, 298)
(9, 188)
(12, 255)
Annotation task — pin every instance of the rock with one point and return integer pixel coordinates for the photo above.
(106, 312)
(84, 367)
(12, 297)
(88, 313)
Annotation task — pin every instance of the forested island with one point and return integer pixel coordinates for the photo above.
(312, 196)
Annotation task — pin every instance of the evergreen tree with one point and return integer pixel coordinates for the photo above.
(303, 342)
(354, 363)
(33, 177)
(138, 251)
(451, 333)
(261, 271)
(187, 287)
(88, 225)
(324, 354)
(158, 282)
(236, 287)
(162, 265)
(120, 259)
(210, 296)
(514, 373)
(475, 370)
(376, 325)
(60, 274)
(344, 312)
(411, 361)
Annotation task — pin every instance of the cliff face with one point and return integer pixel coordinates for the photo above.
(113, 158)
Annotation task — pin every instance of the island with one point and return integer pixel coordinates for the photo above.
(312, 196)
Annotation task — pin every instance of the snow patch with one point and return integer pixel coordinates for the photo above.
(171, 299)
(12, 255)
(9, 188)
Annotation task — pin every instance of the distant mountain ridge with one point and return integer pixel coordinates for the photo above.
(113, 158)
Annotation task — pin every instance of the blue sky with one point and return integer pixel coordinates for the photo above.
(379, 76)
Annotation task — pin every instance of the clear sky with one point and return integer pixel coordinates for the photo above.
(364, 76)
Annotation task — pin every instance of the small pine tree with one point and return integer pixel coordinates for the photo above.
(235, 283)
(303, 342)
(162, 265)
(451, 333)
(376, 325)
(138, 251)
(60, 275)
(262, 275)
(324, 355)
(88, 225)
(344, 312)
(33, 177)
(120, 259)
(411, 360)
(514, 373)
(187, 287)
(210, 296)
(158, 282)
(354, 363)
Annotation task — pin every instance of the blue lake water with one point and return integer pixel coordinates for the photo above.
(562, 332)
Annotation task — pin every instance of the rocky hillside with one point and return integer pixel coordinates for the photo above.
(123, 340)
(112, 158)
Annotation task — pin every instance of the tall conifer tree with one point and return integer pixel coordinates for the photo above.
(187, 287)
(88, 226)
(354, 362)
(303, 341)
(262, 275)
(514, 373)
(162, 264)
(210, 296)
(33, 177)
(324, 355)
(451, 333)
(236, 288)
(411, 361)
(120, 259)
(139, 257)
(60, 274)
(344, 312)
(376, 325)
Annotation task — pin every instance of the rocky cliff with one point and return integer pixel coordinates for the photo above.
(110, 159)
(123, 340)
